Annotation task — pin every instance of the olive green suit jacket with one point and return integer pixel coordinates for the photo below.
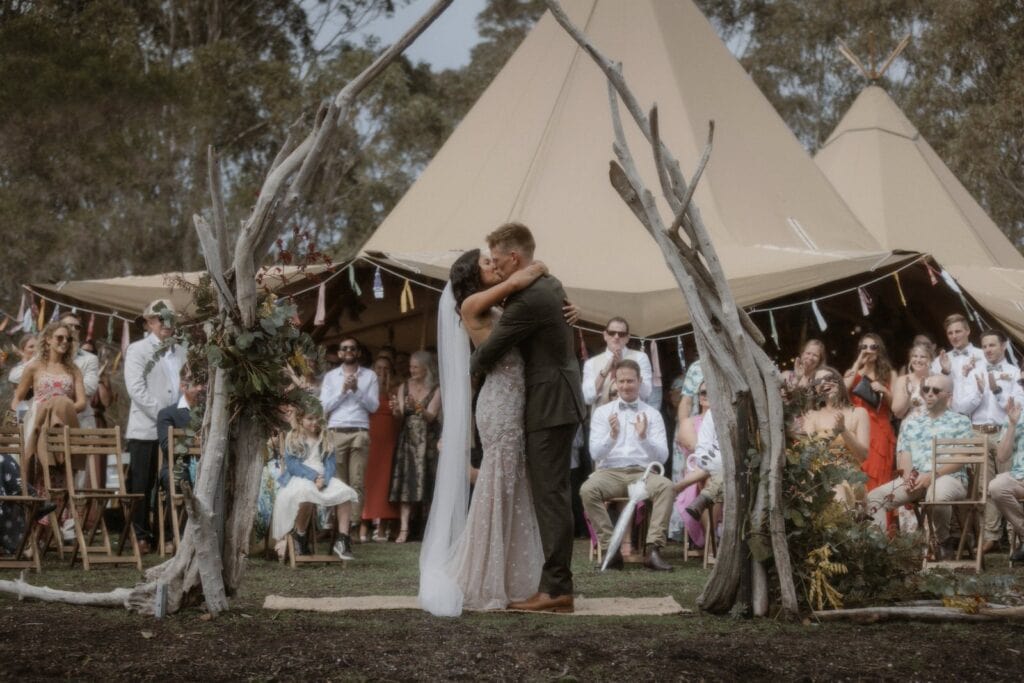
(534, 323)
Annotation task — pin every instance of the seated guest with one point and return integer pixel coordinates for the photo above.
(626, 435)
(706, 468)
(598, 378)
(177, 416)
(308, 481)
(1006, 490)
(914, 454)
(906, 393)
(688, 391)
(685, 446)
(811, 358)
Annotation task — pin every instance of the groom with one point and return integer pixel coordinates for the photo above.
(533, 321)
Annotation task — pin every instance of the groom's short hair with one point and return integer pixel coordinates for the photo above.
(513, 236)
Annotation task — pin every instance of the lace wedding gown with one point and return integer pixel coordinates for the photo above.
(498, 557)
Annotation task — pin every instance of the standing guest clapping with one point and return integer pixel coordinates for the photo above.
(870, 383)
(906, 393)
(811, 358)
(963, 356)
(383, 434)
(598, 372)
(418, 404)
(349, 394)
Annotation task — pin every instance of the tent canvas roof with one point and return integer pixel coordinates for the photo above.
(536, 146)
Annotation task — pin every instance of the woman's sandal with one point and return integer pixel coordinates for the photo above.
(403, 536)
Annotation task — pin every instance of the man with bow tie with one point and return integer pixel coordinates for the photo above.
(626, 435)
(150, 392)
(983, 397)
(961, 360)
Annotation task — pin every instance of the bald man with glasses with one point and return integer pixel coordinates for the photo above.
(914, 459)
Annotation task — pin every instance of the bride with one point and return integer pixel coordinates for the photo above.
(494, 556)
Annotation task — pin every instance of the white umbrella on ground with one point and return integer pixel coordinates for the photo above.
(637, 492)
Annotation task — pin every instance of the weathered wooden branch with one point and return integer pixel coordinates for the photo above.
(115, 598)
(928, 613)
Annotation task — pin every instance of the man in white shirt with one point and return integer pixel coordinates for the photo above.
(983, 397)
(626, 435)
(89, 364)
(598, 377)
(963, 356)
(349, 394)
(150, 392)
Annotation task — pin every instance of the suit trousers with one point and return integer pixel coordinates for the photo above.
(993, 516)
(947, 487)
(142, 479)
(351, 450)
(548, 455)
(1006, 493)
(604, 485)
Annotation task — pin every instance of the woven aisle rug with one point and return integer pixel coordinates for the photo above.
(585, 607)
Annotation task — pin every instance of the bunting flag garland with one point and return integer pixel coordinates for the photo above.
(655, 364)
(775, 331)
(378, 284)
(21, 307)
(352, 281)
(125, 337)
(42, 315)
(26, 322)
(110, 330)
(55, 316)
(899, 288)
(866, 302)
(406, 302)
(822, 325)
(952, 284)
(583, 347)
(321, 306)
(91, 327)
(931, 273)
(679, 352)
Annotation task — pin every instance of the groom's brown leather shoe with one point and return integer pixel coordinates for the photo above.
(654, 562)
(544, 602)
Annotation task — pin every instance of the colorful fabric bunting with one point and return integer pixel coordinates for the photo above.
(775, 331)
(866, 302)
(822, 325)
(899, 288)
(378, 284)
(352, 281)
(321, 305)
(655, 364)
(406, 302)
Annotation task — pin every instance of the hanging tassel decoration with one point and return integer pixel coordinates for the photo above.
(822, 325)
(117, 361)
(679, 352)
(41, 323)
(125, 336)
(321, 305)
(655, 364)
(899, 288)
(775, 331)
(378, 284)
(866, 302)
(352, 281)
(91, 327)
(406, 302)
(110, 329)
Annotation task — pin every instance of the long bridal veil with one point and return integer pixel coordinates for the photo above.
(439, 593)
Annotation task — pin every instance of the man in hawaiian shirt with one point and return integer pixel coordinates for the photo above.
(914, 459)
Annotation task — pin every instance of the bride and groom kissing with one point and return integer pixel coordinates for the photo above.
(514, 548)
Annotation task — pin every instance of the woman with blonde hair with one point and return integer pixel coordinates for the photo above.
(812, 357)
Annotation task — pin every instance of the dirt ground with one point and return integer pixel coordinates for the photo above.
(50, 641)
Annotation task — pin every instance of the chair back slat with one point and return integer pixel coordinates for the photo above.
(972, 454)
(10, 441)
(79, 442)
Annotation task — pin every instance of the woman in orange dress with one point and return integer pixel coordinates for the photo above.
(383, 434)
(870, 383)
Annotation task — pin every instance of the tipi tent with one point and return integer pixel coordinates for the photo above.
(908, 198)
(536, 146)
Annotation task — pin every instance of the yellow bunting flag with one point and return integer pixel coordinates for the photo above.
(41, 323)
(899, 288)
(406, 302)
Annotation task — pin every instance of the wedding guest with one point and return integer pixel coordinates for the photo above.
(349, 394)
(812, 357)
(1006, 490)
(401, 366)
(915, 460)
(418, 405)
(177, 416)
(688, 392)
(921, 340)
(309, 480)
(598, 378)
(906, 393)
(870, 383)
(625, 436)
(26, 350)
(377, 509)
(685, 445)
(89, 364)
(270, 477)
(963, 356)
(152, 385)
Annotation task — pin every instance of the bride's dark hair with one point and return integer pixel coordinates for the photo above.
(465, 277)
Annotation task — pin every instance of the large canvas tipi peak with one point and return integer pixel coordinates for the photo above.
(902, 191)
(536, 146)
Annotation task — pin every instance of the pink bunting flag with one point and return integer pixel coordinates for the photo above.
(655, 364)
(321, 306)
(932, 275)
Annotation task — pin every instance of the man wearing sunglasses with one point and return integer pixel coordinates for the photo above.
(598, 372)
(984, 396)
(349, 394)
(963, 356)
(88, 363)
(914, 459)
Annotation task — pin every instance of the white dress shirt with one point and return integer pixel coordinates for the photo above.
(89, 364)
(627, 450)
(595, 365)
(709, 458)
(349, 409)
(985, 407)
(957, 360)
(152, 391)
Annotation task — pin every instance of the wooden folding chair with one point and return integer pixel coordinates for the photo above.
(312, 531)
(641, 523)
(177, 440)
(972, 454)
(710, 537)
(58, 495)
(11, 447)
(89, 503)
